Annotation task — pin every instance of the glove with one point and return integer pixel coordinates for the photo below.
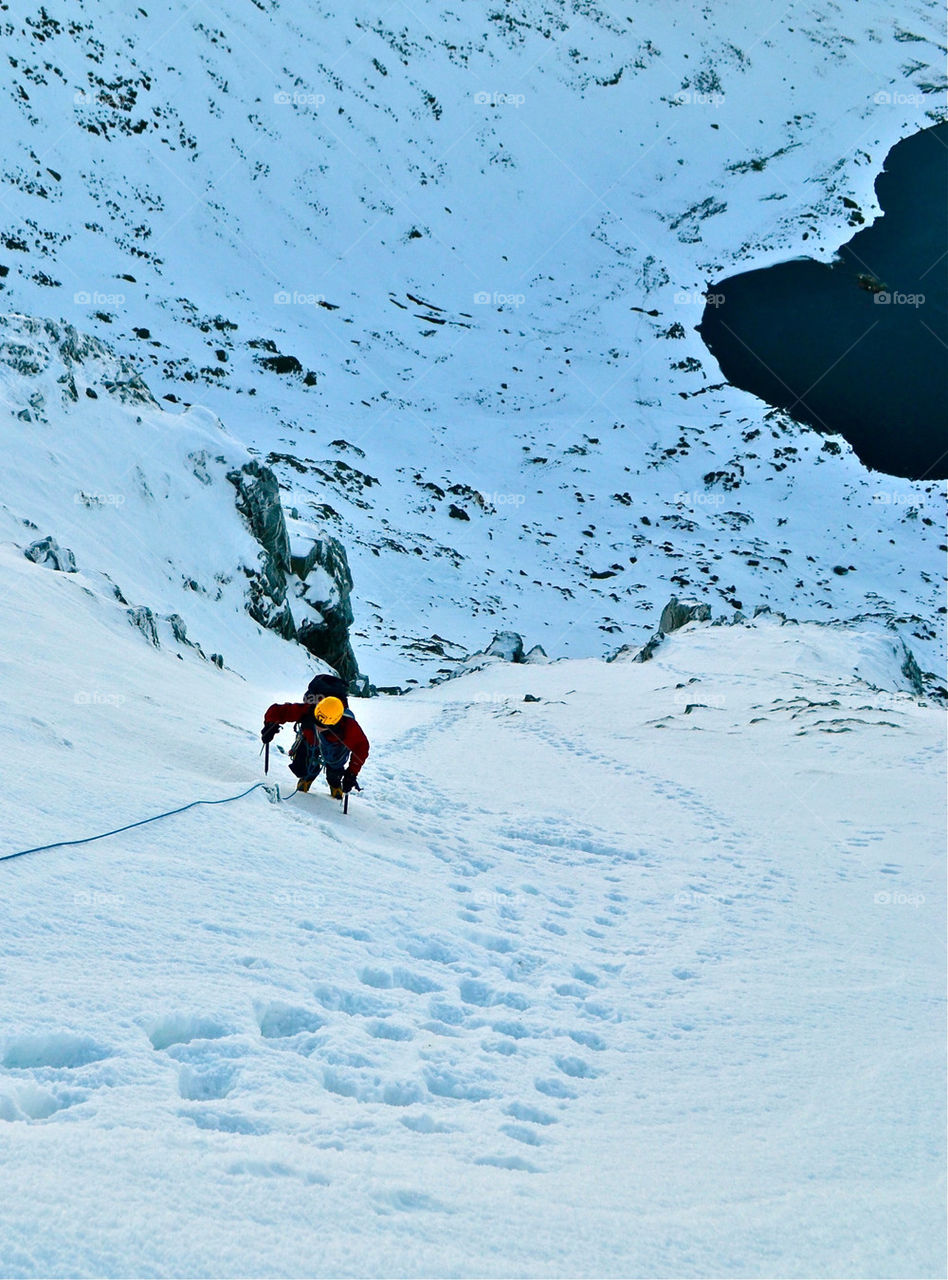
(349, 782)
(269, 732)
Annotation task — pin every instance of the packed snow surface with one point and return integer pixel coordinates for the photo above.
(642, 978)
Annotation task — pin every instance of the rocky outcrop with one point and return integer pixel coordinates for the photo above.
(506, 645)
(911, 670)
(48, 552)
(258, 501)
(677, 613)
(326, 593)
(324, 580)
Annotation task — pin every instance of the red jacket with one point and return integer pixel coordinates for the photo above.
(347, 732)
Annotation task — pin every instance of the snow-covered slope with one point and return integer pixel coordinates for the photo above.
(167, 518)
(445, 258)
(642, 978)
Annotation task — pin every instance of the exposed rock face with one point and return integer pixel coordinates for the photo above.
(506, 645)
(28, 344)
(143, 618)
(326, 591)
(47, 551)
(258, 501)
(325, 580)
(638, 653)
(69, 362)
(912, 671)
(679, 612)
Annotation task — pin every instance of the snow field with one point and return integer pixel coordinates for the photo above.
(641, 978)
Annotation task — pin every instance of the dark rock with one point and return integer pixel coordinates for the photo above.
(911, 670)
(258, 501)
(679, 612)
(47, 551)
(507, 645)
(141, 616)
(329, 595)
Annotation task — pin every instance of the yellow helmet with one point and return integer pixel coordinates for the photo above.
(328, 711)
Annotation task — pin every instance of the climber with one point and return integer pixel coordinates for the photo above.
(328, 736)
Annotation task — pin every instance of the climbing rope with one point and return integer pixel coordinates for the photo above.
(270, 788)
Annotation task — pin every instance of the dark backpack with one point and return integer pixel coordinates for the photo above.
(327, 686)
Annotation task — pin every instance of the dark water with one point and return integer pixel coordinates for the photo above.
(858, 347)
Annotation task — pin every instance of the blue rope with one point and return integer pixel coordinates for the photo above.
(63, 844)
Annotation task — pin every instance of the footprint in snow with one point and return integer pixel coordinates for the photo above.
(407, 1201)
(204, 1084)
(531, 1115)
(520, 1133)
(182, 1028)
(508, 1162)
(278, 1021)
(276, 1169)
(29, 1102)
(578, 1068)
(384, 979)
(225, 1122)
(57, 1049)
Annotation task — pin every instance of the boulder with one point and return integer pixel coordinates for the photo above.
(677, 613)
(47, 551)
(507, 645)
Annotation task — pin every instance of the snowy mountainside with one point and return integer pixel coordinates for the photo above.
(396, 255)
(676, 932)
(167, 519)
